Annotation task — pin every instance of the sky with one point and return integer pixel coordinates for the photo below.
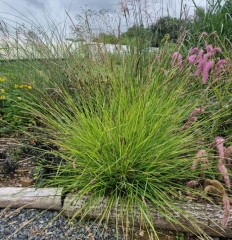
(38, 10)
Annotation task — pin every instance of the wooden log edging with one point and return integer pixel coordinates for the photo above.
(40, 198)
(208, 215)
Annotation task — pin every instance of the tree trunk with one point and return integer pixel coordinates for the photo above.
(44, 198)
(207, 216)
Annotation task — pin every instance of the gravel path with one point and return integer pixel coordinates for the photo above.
(31, 224)
(26, 224)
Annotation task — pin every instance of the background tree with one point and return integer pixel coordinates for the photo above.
(107, 38)
(174, 27)
(137, 34)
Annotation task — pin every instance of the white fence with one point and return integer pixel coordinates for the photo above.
(27, 50)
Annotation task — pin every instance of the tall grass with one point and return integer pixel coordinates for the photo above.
(125, 143)
(216, 18)
(118, 121)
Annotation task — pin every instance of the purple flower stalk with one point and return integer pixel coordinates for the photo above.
(217, 49)
(221, 62)
(179, 60)
(206, 69)
(219, 68)
(199, 67)
(176, 56)
(200, 154)
(207, 56)
(200, 54)
(192, 58)
(193, 50)
(209, 49)
(219, 141)
(223, 170)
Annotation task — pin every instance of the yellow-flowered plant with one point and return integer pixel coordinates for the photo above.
(25, 86)
(2, 79)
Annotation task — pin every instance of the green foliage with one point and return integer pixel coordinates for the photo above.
(137, 35)
(167, 25)
(12, 120)
(106, 38)
(217, 18)
(122, 138)
(117, 121)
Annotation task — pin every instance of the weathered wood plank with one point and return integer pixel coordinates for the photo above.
(208, 216)
(42, 198)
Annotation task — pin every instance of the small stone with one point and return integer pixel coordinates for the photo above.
(141, 234)
(26, 182)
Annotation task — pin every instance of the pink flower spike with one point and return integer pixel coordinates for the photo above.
(226, 210)
(199, 67)
(221, 62)
(207, 56)
(193, 50)
(192, 58)
(201, 153)
(200, 54)
(223, 170)
(195, 163)
(176, 56)
(206, 69)
(217, 49)
(179, 59)
(209, 49)
(200, 156)
(219, 141)
(219, 68)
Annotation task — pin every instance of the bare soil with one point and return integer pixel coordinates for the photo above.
(16, 168)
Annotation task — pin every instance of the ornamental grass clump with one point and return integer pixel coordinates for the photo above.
(126, 128)
(125, 143)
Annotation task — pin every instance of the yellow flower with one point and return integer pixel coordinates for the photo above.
(2, 97)
(2, 79)
(2, 90)
(27, 86)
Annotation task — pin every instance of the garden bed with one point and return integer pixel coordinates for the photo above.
(16, 166)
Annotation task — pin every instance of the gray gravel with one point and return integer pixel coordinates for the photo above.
(29, 224)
